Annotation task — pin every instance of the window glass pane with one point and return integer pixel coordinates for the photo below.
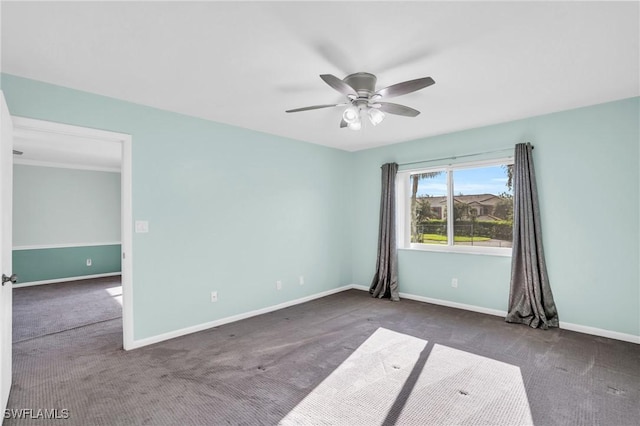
(428, 204)
(483, 206)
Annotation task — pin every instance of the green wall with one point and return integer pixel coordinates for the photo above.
(56, 206)
(49, 264)
(588, 178)
(234, 210)
(229, 209)
(64, 206)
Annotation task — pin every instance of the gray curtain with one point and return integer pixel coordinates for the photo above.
(385, 280)
(530, 298)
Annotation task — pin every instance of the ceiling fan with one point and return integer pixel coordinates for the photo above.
(363, 99)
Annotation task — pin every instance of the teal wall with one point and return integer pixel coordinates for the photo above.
(48, 264)
(588, 178)
(229, 209)
(55, 206)
(235, 210)
(64, 206)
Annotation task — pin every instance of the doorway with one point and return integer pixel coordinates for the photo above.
(73, 147)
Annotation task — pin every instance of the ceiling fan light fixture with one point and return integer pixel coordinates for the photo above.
(356, 125)
(375, 116)
(351, 115)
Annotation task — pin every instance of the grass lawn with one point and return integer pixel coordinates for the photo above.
(458, 238)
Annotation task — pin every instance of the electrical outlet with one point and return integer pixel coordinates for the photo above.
(301, 279)
(214, 296)
(89, 263)
(278, 285)
(454, 282)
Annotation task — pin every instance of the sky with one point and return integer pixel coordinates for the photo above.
(485, 180)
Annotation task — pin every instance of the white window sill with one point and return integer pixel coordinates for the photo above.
(486, 251)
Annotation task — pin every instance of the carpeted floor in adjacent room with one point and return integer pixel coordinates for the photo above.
(342, 359)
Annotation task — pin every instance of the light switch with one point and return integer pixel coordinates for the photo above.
(142, 226)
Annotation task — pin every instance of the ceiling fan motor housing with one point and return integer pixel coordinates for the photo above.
(363, 83)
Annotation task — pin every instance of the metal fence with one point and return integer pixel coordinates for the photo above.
(494, 234)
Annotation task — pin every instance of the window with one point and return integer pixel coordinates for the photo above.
(464, 208)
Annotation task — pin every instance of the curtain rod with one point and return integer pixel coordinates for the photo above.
(458, 156)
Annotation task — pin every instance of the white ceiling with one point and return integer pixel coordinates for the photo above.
(246, 63)
(52, 149)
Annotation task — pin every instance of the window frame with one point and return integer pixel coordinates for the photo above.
(403, 209)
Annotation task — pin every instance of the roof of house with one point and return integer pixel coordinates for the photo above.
(467, 199)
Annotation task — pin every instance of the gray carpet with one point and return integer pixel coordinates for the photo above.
(442, 385)
(51, 308)
(269, 369)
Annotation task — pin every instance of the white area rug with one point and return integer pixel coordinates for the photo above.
(375, 385)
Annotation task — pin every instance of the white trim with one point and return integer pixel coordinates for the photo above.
(403, 214)
(483, 163)
(457, 305)
(37, 163)
(487, 251)
(207, 325)
(451, 233)
(127, 243)
(462, 165)
(600, 332)
(65, 245)
(25, 123)
(443, 302)
(64, 280)
(359, 287)
(135, 344)
(563, 325)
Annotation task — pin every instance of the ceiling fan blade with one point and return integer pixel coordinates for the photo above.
(314, 107)
(338, 84)
(396, 109)
(343, 124)
(405, 87)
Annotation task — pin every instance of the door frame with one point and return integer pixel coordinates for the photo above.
(6, 224)
(22, 124)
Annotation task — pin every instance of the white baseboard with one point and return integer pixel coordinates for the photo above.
(448, 303)
(207, 325)
(563, 325)
(359, 287)
(600, 332)
(443, 302)
(64, 280)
